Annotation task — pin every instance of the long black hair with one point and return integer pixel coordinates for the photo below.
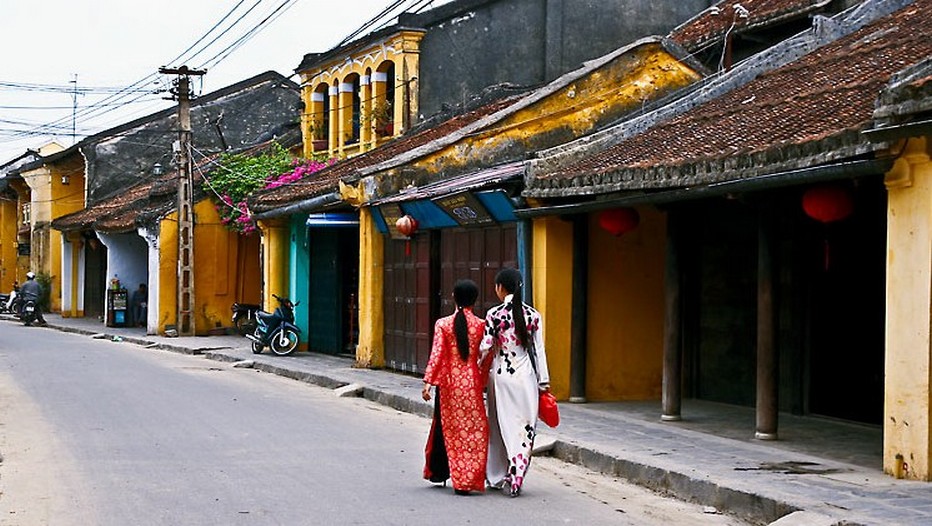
(510, 280)
(465, 293)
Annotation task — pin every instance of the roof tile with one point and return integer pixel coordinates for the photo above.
(705, 27)
(807, 107)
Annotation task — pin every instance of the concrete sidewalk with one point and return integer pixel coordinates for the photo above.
(820, 472)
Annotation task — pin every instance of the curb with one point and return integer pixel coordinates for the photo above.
(683, 487)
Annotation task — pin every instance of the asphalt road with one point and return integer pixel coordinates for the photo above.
(94, 432)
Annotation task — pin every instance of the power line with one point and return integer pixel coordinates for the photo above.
(58, 88)
(102, 107)
(280, 10)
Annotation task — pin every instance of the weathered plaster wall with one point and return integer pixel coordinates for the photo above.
(626, 310)
(127, 259)
(643, 74)
(8, 225)
(225, 270)
(552, 265)
(127, 157)
(275, 260)
(168, 272)
(533, 41)
(908, 366)
(328, 94)
(370, 351)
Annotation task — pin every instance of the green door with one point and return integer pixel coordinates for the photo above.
(333, 282)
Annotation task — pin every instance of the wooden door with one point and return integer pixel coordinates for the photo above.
(477, 254)
(407, 299)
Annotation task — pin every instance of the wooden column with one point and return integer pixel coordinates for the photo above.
(580, 315)
(767, 363)
(671, 391)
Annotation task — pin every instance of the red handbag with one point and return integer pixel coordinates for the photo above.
(548, 411)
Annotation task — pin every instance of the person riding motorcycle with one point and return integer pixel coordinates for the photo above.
(30, 290)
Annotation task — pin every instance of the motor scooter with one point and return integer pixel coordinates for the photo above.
(28, 313)
(12, 302)
(244, 317)
(276, 329)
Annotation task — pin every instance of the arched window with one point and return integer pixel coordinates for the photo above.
(383, 108)
(319, 118)
(351, 106)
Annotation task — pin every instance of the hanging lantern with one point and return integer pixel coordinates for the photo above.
(407, 225)
(827, 203)
(619, 220)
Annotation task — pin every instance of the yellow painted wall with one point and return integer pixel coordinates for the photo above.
(908, 362)
(226, 270)
(641, 75)
(168, 272)
(275, 259)
(56, 190)
(39, 182)
(626, 310)
(66, 199)
(370, 351)
(400, 49)
(8, 224)
(23, 197)
(552, 268)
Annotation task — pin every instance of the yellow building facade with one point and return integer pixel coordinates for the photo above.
(623, 360)
(355, 101)
(908, 362)
(225, 270)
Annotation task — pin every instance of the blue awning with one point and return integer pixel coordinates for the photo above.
(457, 201)
(332, 219)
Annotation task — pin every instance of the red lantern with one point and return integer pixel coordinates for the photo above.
(619, 220)
(407, 225)
(827, 203)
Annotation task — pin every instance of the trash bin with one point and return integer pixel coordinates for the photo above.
(117, 304)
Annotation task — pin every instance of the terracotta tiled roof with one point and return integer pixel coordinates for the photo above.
(85, 218)
(328, 178)
(808, 112)
(705, 27)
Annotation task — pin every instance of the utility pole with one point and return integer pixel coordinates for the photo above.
(182, 92)
(74, 107)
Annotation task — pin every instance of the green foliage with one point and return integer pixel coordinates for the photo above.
(239, 175)
(45, 290)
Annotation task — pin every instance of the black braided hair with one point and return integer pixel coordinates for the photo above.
(465, 293)
(510, 279)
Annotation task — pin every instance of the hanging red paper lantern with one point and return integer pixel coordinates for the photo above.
(407, 225)
(619, 220)
(828, 203)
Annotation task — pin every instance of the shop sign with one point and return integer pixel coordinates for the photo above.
(391, 213)
(465, 209)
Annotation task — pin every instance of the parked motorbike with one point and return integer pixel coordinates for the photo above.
(244, 317)
(277, 329)
(28, 314)
(13, 307)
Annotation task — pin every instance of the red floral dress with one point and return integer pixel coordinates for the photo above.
(458, 444)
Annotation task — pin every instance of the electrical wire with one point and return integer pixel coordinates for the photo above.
(280, 10)
(94, 111)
